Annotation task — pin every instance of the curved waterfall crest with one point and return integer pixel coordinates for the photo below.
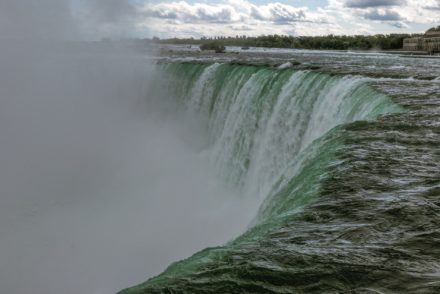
(259, 119)
(274, 134)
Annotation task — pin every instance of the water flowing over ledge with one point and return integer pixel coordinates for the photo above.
(261, 121)
(278, 135)
(354, 208)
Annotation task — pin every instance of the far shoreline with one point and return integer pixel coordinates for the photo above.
(195, 48)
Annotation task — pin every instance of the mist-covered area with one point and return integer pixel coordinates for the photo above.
(101, 182)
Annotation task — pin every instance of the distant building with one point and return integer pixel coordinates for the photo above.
(413, 44)
(430, 42)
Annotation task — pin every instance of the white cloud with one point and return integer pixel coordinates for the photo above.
(239, 15)
(397, 15)
(383, 15)
(197, 13)
(231, 17)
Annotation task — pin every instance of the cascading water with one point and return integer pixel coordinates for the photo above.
(259, 119)
(269, 135)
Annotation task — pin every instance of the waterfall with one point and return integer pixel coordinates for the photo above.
(259, 119)
(273, 134)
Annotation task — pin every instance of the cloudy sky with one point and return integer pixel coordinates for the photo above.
(293, 17)
(196, 18)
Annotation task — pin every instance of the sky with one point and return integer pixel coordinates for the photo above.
(96, 19)
(196, 18)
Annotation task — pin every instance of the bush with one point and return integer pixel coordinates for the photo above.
(217, 47)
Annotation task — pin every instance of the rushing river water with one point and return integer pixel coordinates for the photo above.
(341, 150)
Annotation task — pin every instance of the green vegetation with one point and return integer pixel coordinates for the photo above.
(216, 46)
(434, 29)
(378, 42)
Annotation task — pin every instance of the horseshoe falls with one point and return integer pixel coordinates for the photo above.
(261, 121)
(265, 171)
(135, 165)
(326, 155)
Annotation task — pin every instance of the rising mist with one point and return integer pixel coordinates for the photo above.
(101, 182)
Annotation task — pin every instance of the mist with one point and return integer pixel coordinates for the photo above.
(101, 180)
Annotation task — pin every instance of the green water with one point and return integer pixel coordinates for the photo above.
(276, 135)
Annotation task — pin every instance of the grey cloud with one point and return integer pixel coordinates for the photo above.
(282, 15)
(200, 14)
(240, 28)
(372, 3)
(399, 25)
(279, 14)
(222, 16)
(255, 13)
(387, 16)
(433, 7)
(161, 13)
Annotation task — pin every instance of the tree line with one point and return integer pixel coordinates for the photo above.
(434, 29)
(330, 42)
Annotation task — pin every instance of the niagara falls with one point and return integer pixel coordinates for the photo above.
(252, 146)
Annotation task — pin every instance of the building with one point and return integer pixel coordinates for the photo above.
(429, 42)
(432, 41)
(413, 44)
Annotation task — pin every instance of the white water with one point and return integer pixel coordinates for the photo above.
(261, 120)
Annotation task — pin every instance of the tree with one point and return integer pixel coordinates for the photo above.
(216, 46)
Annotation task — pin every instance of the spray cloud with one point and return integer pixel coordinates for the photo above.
(97, 189)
